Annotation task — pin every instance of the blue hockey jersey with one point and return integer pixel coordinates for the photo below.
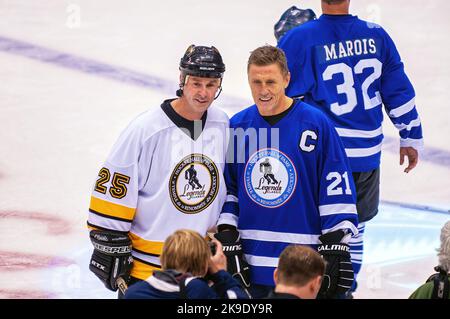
(286, 184)
(348, 68)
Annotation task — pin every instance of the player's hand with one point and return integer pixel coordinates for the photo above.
(413, 157)
(111, 258)
(236, 263)
(339, 276)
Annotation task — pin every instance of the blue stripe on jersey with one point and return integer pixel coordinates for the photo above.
(364, 154)
(360, 143)
(267, 248)
(262, 275)
(329, 221)
(230, 207)
(263, 248)
(414, 134)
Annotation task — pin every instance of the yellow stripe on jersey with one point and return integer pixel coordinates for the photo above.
(146, 246)
(142, 271)
(111, 209)
(92, 227)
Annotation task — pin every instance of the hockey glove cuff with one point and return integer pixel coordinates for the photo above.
(339, 274)
(232, 248)
(111, 258)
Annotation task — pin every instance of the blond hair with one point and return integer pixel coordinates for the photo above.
(186, 251)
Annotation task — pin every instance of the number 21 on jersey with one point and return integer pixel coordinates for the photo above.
(339, 184)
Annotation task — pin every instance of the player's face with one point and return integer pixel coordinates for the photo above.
(267, 84)
(199, 93)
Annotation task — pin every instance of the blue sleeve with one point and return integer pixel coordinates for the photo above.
(398, 97)
(337, 195)
(140, 290)
(227, 287)
(199, 289)
(302, 73)
(230, 210)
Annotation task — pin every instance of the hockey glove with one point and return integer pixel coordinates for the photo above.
(111, 258)
(232, 248)
(339, 275)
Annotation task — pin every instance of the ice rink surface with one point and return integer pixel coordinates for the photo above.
(74, 73)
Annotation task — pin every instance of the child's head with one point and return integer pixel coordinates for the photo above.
(186, 251)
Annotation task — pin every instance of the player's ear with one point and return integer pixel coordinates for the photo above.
(315, 285)
(275, 276)
(287, 80)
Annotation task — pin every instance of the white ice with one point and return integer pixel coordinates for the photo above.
(58, 124)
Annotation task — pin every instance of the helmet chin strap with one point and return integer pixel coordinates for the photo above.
(220, 91)
(179, 92)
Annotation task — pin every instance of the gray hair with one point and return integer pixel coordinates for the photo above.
(444, 250)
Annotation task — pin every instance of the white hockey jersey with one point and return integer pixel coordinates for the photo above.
(157, 179)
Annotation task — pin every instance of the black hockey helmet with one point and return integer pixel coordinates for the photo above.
(203, 62)
(291, 18)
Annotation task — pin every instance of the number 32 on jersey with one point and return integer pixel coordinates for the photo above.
(348, 87)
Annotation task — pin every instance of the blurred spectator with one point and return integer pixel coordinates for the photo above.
(437, 286)
(186, 258)
(299, 273)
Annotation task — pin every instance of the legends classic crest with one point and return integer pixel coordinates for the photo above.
(194, 183)
(270, 178)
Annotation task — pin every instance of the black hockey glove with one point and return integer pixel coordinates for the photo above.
(339, 275)
(111, 258)
(232, 248)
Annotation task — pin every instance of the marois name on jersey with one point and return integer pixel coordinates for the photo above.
(348, 48)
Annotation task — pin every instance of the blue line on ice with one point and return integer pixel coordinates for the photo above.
(431, 154)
